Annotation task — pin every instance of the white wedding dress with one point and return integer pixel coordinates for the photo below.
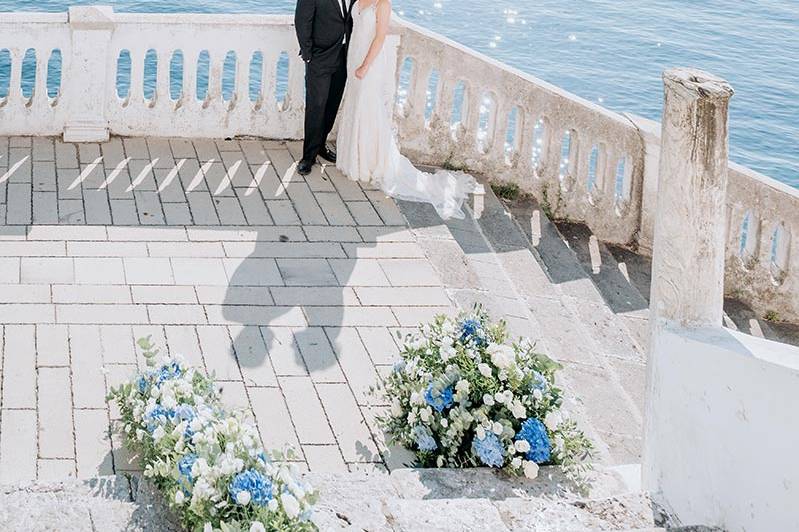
(367, 150)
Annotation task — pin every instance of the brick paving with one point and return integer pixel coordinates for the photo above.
(289, 289)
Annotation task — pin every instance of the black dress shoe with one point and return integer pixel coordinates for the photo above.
(304, 167)
(328, 155)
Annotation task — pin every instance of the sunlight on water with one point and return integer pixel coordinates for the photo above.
(608, 52)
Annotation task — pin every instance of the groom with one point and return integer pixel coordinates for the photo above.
(323, 30)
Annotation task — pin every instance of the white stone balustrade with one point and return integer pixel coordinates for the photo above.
(583, 162)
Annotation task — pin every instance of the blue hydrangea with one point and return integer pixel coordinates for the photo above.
(184, 466)
(254, 482)
(157, 416)
(439, 401)
(539, 382)
(489, 450)
(535, 433)
(142, 384)
(472, 330)
(424, 438)
(182, 412)
(167, 372)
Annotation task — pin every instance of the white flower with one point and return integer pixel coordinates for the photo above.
(502, 356)
(522, 446)
(516, 463)
(444, 422)
(159, 433)
(537, 394)
(447, 352)
(552, 420)
(396, 408)
(290, 504)
(440, 461)
(484, 369)
(481, 432)
(243, 498)
(518, 410)
(272, 505)
(179, 497)
(462, 386)
(488, 400)
(497, 428)
(425, 414)
(208, 527)
(257, 526)
(530, 469)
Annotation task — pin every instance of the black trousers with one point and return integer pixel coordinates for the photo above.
(324, 88)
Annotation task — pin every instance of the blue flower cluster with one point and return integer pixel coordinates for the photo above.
(157, 416)
(438, 400)
(184, 466)
(539, 382)
(169, 371)
(424, 438)
(141, 384)
(472, 330)
(489, 450)
(254, 482)
(535, 433)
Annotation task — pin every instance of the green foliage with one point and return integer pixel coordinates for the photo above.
(507, 191)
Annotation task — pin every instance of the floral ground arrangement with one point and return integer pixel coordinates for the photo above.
(206, 461)
(462, 396)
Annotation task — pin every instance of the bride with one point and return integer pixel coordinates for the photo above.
(367, 150)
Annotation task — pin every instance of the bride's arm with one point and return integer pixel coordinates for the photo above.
(383, 20)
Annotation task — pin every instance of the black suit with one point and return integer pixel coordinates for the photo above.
(323, 32)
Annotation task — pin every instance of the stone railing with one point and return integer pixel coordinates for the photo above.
(235, 75)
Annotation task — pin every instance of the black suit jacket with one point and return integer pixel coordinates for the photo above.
(321, 28)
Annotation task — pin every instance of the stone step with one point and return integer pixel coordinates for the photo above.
(405, 500)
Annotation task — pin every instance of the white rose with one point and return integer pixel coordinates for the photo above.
(516, 462)
(502, 356)
(425, 415)
(447, 352)
(396, 408)
(518, 410)
(179, 497)
(272, 505)
(552, 420)
(481, 433)
(499, 397)
(208, 527)
(530, 469)
(243, 498)
(257, 526)
(488, 400)
(159, 433)
(537, 394)
(522, 446)
(463, 386)
(497, 428)
(290, 504)
(484, 369)
(444, 422)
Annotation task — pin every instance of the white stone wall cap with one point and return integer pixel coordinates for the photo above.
(91, 17)
(699, 83)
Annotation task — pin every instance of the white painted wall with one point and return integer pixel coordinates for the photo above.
(723, 423)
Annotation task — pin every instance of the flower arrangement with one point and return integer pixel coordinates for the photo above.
(206, 461)
(461, 397)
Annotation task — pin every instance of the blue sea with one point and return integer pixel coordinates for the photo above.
(609, 51)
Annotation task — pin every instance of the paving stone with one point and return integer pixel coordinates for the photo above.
(252, 356)
(220, 359)
(19, 203)
(355, 500)
(17, 446)
(56, 437)
(324, 458)
(182, 340)
(9, 270)
(272, 416)
(177, 214)
(24, 293)
(348, 425)
(148, 271)
(163, 294)
(99, 271)
(92, 443)
(45, 208)
(409, 272)
(313, 296)
(380, 344)
(306, 272)
(88, 381)
(350, 316)
(354, 360)
(233, 295)
(253, 272)
(52, 345)
(320, 360)
(402, 296)
(53, 470)
(177, 314)
(202, 271)
(19, 367)
(306, 410)
(252, 315)
(358, 272)
(283, 351)
(90, 293)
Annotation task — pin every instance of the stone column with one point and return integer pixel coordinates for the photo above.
(688, 256)
(85, 79)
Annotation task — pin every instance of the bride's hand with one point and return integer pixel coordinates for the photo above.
(360, 73)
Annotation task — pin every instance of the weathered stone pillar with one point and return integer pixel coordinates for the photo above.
(85, 80)
(688, 256)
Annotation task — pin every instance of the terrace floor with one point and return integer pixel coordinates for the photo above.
(290, 290)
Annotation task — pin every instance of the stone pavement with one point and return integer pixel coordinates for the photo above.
(290, 290)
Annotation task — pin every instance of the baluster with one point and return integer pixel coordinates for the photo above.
(39, 97)
(136, 92)
(417, 95)
(269, 81)
(440, 120)
(217, 59)
(163, 58)
(497, 132)
(525, 126)
(241, 92)
(550, 161)
(294, 97)
(737, 214)
(188, 93)
(471, 106)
